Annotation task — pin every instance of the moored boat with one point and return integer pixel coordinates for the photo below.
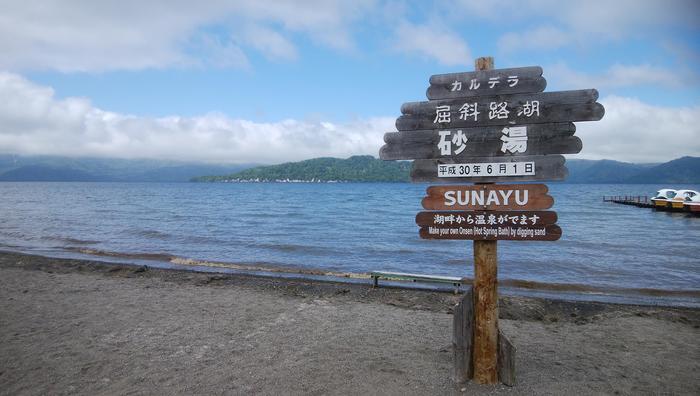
(692, 204)
(682, 196)
(663, 197)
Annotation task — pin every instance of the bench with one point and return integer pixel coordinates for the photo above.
(453, 280)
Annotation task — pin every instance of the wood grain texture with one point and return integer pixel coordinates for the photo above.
(485, 355)
(480, 134)
(506, 360)
(547, 167)
(462, 333)
(507, 197)
(542, 217)
(484, 63)
(489, 233)
(549, 113)
(407, 145)
(529, 80)
(446, 91)
(526, 72)
(556, 97)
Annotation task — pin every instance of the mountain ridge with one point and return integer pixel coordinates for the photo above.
(684, 170)
(55, 168)
(359, 168)
(366, 168)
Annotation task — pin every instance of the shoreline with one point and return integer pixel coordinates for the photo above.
(85, 327)
(511, 287)
(511, 306)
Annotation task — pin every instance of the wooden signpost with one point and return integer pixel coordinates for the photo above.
(487, 126)
(489, 169)
(509, 81)
(489, 225)
(488, 197)
(539, 108)
(438, 144)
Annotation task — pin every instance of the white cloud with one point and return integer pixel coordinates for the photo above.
(582, 22)
(130, 35)
(635, 131)
(216, 52)
(33, 121)
(617, 76)
(271, 43)
(432, 42)
(543, 37)
(326, 21)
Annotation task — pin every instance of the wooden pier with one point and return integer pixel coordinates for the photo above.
(634, 200)
(644, 202)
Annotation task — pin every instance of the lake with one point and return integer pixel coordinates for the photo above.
(608, 252)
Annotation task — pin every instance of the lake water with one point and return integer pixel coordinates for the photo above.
(608, 252)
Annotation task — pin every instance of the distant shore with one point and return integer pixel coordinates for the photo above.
(77, 326)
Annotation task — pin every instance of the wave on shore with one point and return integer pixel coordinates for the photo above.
(525, 285)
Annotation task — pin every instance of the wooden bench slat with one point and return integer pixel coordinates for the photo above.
(375, 275)
(409, 275)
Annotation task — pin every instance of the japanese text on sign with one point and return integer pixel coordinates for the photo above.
(475, 84)
(514, 141)
(495, 110)
(487, 169)
(483, 219)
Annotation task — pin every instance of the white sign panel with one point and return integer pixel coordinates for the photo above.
(482, 169)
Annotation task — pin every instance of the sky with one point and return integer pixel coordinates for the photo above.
(275, 81)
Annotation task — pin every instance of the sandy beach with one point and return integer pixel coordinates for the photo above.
(83, 327)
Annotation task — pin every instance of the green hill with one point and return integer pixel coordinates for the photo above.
(684, 170)
(354, 169)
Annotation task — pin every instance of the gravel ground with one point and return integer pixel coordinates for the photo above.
(82, 327)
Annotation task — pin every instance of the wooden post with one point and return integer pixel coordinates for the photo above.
(463, 329)
(506, 360)
(485, 353)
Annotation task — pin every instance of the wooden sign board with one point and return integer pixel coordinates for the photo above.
(492, 233)
(489, 225)
(556, 97)
(488, 169)
(488, 197)
(519, 109)
(486, 217)
(454, 144)
(486, 82)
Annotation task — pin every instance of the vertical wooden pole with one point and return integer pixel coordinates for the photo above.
(485, 298)
(463, 330)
